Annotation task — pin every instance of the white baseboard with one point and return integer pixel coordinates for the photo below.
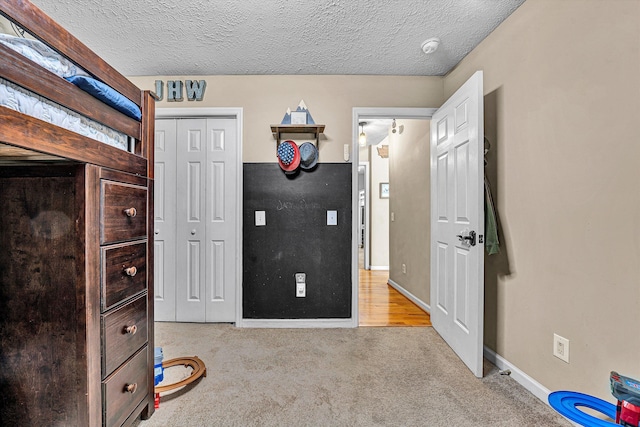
(414, 299)
(520, 376)
(379, 267)
(297, 323)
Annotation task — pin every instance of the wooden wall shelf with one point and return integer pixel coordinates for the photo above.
(279, 130)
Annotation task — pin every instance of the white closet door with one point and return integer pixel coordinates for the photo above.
(191, 226)
(196, 220)
(164, 282)
(221, 215)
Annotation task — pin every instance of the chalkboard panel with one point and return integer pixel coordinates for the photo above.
(296, 239)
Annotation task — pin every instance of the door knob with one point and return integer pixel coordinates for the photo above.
(470, 239)
(193, 232)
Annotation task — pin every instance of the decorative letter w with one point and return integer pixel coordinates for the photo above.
(195, 90)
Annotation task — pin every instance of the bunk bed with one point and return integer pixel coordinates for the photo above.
(76, 265)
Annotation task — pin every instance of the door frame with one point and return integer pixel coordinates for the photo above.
(358, 114)
(215, 113)
(366, 215)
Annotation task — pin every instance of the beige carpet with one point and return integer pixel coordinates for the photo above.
(336, 377)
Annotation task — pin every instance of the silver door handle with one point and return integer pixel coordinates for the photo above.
(470, 239)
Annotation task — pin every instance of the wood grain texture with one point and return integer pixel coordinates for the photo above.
(41, 381)
(382, 305)
(32, 134)
(147, 146)
(117, 343)
(117, 284)
(89, 208)
(119, 403)
(149, 408)
(116, 225)
(31, 76)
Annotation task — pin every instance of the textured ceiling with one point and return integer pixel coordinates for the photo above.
(233, 37)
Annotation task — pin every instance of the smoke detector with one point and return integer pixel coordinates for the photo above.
(430, 45)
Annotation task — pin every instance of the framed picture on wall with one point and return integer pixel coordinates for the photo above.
(384, 190)
(298, 117)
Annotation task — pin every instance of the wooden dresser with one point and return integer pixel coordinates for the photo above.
(76, 313)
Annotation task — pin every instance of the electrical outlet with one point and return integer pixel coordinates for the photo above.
(404, 268)
(301, 285)
(561, 347)
(301, 290)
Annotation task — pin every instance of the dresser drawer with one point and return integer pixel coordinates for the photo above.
(123, 212)
(123, 332)
(124, 272)
(125, 389)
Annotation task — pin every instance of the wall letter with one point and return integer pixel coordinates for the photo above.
(195, 90)
(159, 93)
(174, 90)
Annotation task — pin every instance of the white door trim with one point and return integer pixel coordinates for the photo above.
(225, 112)
(364, 113)
(367, 213)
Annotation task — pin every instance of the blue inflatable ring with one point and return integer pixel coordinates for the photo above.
(567, 402)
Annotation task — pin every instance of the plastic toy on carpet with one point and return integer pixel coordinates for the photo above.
(198, 370)
(626, 412)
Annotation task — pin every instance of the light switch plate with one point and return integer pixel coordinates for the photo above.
(332, 217)
(301, 290)
(261, 218)
(346, 152)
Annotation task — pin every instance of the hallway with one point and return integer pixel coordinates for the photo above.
(382, 305)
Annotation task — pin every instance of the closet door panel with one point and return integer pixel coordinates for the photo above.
(191, 224)
(164, 242)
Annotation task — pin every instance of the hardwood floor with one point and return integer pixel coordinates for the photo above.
(382, 305)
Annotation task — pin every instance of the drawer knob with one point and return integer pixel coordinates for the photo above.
(131, 271)
(131, 388)
(131, 330)
(131, 212)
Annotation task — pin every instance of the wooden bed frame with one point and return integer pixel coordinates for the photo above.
(76, 266)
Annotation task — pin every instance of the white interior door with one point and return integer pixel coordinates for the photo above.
(191, 226)
(164, 281)
(197, 222)
(457, 222)
(221, 217)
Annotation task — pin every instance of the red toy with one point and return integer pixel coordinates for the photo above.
(627, 391)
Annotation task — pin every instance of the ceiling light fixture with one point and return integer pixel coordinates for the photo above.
(430, 45)
(362, 139)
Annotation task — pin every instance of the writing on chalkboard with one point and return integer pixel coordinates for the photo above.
(299, 204)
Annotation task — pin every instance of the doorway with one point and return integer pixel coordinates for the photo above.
(383, 134)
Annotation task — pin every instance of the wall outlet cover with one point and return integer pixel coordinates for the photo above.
(301, 290)
(561, 347)
(261, 218)
(332, 217)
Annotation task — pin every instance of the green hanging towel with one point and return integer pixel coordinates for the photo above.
(492, 245)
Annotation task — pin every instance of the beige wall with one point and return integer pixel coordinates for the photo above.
(409, 232)
(330, 100)
(562, 103)
(379, 210)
